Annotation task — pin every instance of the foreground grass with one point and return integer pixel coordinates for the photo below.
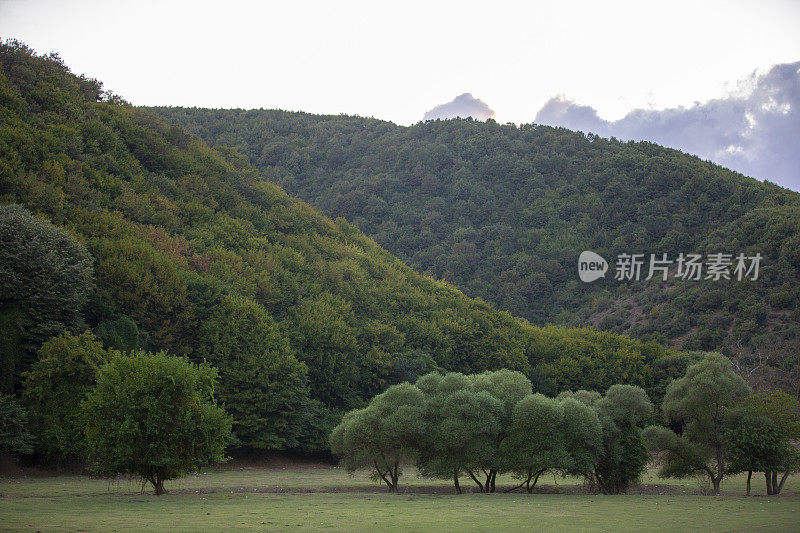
(249, 498)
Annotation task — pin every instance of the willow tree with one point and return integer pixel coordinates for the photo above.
(461, 428)
(383, 435)
(699, 403)
(551, 435)
(623, 456)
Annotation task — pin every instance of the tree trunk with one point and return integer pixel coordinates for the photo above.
(475, 479)
(525, 483)
(382, 474)
(749, 475)
(720, 471)
(783, 480)
(715, 480)
(396, 476)
(604, 488)
(455, 482)
(768, 477)
(536, 478)
(494, 477)
(774, 482)
(159, 486)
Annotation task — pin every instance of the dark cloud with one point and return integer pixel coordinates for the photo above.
(463, 106)
(757, 133)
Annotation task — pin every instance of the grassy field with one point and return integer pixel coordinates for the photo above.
(295, 496)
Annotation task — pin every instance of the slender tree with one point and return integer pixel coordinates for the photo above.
(699, 403)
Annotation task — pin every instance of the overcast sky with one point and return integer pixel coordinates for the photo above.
(399, 60)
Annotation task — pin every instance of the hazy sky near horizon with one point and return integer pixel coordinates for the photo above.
(397, 60)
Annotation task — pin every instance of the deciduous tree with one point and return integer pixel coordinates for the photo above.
(699, 404)
(154, 416)
(383, 435)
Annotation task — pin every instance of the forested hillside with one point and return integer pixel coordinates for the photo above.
(181, 247)
(504, 211)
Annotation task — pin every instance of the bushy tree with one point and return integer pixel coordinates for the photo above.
(154, 416)
(120, 334)
(47, 280)
(461, 428)
(783, 412)
(699, 403)
(15, 437)
(509, 387)
(54, 388)
(754, 444)
(548, 434)
(383, 435)
(469, 417)
(262, 384)
(583, 437)
(622, 411)
(623, 455)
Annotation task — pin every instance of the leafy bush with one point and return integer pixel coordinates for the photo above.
(154, 416)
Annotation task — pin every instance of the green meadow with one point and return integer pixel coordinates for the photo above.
(302, 496)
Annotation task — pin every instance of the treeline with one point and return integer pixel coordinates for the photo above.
(480, 426)
(117, 224)
(503, 212)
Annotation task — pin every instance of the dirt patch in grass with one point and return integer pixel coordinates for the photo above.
(651, 489)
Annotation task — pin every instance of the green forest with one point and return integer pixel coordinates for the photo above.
(122, 234)
(502, 212)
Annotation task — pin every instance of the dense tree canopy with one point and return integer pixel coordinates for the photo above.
(46, 281)
(503, 211)
(764, 436)
(383, 435)
(15, 436)
(196, 254)
(54, 388)
(548, 434)
(482, 425)
(622, 456)
(461, 428)
(262, 384)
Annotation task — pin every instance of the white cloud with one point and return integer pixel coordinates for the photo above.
(462, 106)
(756, 132)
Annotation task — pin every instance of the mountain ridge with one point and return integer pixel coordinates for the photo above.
(502, 211)
(195, 253)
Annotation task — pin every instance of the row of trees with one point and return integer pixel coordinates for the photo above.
(278, 380)
(155, 416)
(482, 425)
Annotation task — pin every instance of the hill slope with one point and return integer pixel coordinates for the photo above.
(503, 212)
(303, 315)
